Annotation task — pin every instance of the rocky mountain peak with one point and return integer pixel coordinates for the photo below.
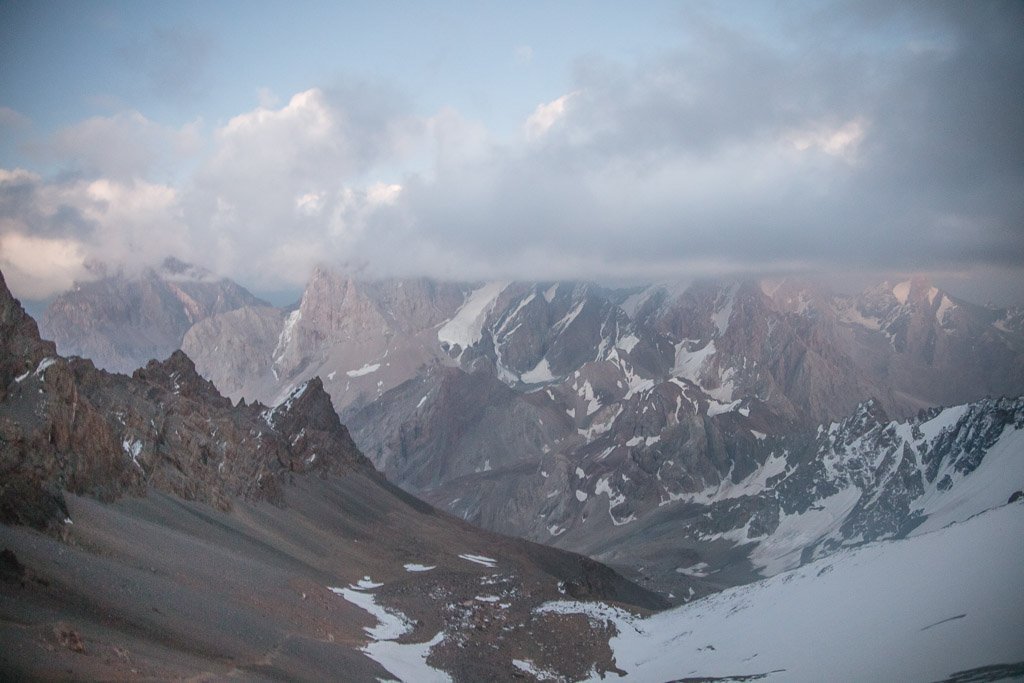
(317, 438)
(21, 348)
(178, 375)
(868, 415)
(173, 268)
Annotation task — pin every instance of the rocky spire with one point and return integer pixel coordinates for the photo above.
(21, 348)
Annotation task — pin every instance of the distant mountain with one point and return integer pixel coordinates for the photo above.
(150, 528)
(801, 352)
(120, 322)
(362, 338)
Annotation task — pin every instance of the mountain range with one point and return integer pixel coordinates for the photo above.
(694, 438)
(610, 421)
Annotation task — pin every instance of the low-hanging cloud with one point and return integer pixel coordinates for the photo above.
(844, 140)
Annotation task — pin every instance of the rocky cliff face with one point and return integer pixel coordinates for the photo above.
(122, 322)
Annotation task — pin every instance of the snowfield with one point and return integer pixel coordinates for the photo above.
(918, 609)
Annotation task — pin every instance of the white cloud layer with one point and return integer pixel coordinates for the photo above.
(732, 154)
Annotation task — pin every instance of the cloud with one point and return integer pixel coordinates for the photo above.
(546, 115)
(123, 146)
(841, 141)
(757, 152)
(837, 140)
(50, 229)
(286, 187)
(37, 267)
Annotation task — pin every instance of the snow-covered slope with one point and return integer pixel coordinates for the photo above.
(919, 609)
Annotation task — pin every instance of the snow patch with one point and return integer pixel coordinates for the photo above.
(849, 313)
(690, 364)
(41, 368)
(480, 559)
(751, 485)
(416, 567)
(466, 326)
(390, 624)
(586, 392)
(945, 306)
(570, 316)
(990, 484)
(717, 408)
(699, 570)
(287, 332)
(540, 374)
(529, 668)
(902, 291)
(365, 370)
(406, 661)
(366, 583)
(614, 500)
(628, 343)
(133, 447)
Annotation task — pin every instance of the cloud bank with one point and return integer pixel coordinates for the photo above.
(844, 140)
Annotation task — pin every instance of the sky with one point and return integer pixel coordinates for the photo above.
(619, 142)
